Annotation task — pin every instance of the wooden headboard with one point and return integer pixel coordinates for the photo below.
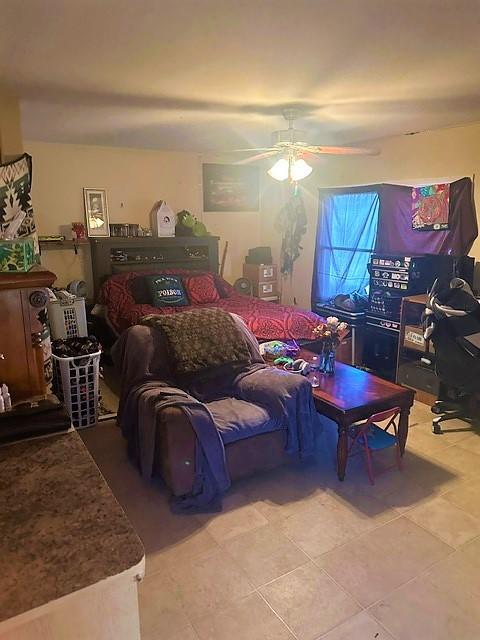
(117, 255)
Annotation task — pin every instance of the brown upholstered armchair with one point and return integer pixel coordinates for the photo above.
(254, 431)
(175, 455)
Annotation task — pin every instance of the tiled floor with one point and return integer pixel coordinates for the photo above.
(297, 554)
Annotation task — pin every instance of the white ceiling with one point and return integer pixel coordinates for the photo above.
(207, 75)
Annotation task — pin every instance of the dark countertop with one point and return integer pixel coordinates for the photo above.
(61, 529)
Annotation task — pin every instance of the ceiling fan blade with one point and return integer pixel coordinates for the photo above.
(258, 156)
(342, 151)
(247, 150)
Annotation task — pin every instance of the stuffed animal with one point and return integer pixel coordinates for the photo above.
(188, 225)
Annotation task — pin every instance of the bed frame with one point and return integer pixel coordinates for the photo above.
(118, 255)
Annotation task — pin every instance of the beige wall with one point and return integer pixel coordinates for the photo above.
(431, 156)
(11, 144)
(134, 180)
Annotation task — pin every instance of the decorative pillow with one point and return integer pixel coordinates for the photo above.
(201, 289)
(166, 291)
(201, 339)
(140, 290)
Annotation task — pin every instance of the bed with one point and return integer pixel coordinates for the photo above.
(124, 307)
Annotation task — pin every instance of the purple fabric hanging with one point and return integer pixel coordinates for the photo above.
(396, 236)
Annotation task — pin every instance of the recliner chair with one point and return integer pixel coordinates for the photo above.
(452, 322)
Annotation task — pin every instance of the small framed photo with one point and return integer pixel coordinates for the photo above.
(96, 213)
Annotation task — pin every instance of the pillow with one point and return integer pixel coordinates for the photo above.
(201, 289)
(166, 291)
(140, 290)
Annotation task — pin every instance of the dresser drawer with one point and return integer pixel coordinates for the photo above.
(263, 289)
(260, 272)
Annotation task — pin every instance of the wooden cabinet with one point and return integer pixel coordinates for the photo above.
(264, 280)
(23, 297)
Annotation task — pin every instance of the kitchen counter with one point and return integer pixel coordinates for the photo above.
(61, 529)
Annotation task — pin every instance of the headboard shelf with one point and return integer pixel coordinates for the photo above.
(115, 255)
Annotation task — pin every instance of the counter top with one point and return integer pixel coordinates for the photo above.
(61, 529)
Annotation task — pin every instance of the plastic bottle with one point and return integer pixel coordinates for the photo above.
(7, 399)
(314, 378)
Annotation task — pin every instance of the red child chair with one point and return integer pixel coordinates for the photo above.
(373, 438)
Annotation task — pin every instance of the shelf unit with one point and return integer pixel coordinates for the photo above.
(146, 253)
(63, 244)
(413, 370)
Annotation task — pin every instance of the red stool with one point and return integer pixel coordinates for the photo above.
(372, 438)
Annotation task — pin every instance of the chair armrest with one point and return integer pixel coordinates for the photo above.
(175, 450)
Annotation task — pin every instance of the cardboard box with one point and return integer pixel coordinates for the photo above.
(17, 255)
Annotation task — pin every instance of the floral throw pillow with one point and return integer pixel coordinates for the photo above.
(201, 289)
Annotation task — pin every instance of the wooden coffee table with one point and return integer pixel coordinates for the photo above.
(351, 395)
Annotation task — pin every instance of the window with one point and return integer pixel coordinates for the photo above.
(346, 232)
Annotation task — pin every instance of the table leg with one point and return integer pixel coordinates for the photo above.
(342, 451)
(403, 428)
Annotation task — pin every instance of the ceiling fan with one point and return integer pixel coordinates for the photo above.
(291, 144)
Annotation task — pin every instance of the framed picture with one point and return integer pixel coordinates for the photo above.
(230, 187)
(96, 213)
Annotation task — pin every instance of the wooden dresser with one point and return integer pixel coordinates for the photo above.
(264, 280)
(23, 298)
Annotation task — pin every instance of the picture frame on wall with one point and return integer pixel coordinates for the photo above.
(230, 187)
(96, 213)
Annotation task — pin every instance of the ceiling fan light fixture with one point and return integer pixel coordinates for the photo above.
(280, 170)
(300, 169)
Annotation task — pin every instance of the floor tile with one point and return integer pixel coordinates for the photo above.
(187, 633)
(309, 602)
(247, 619)
(462, 460)
(407, 494)
(432, 472)
(471, 443)
(333, 521)
(425, 441)
(466, 496)
(160, 607)
(380, 561)
(283, 493)
(420, 610)
(308, 531)
(183, 546)
(360, 627)
(236, 518)
(459, 574)
(207, 581)
(449, 523)
(265, 554)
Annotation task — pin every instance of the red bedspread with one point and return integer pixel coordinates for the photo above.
(267, 320)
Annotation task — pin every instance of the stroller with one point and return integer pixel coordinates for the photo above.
(451, 321)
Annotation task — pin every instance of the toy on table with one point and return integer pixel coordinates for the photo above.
(277, 349)
(284, 360)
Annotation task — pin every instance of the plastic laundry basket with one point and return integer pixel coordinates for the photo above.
(76, 384)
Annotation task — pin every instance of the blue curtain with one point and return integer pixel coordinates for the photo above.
(346, 233)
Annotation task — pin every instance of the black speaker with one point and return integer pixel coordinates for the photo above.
(259, 255)
(243, 286)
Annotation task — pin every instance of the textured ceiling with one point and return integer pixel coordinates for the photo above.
(207, 75)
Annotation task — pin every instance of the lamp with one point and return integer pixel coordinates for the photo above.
(300, 169)
(295, 170)
(279, 171)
